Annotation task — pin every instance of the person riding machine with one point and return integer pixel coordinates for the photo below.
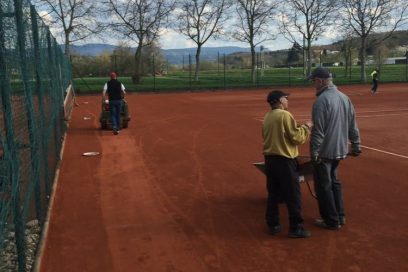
(115, 113)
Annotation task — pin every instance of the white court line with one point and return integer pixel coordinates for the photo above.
(374, 149)
(357, 113)
(380, 115)
(376, 111)
(385, 152)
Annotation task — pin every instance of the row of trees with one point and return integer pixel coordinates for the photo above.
(251, 21)
(121, 60)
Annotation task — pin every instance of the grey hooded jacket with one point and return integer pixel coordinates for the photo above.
(334, 123)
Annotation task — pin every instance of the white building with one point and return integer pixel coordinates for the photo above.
(396, 60)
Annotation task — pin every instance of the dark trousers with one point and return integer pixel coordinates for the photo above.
(375, 85)
(115, 107)
(282, 181)
(329, 192)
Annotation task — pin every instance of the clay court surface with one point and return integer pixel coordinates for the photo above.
(177, 191)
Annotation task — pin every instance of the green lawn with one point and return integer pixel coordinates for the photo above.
(237, 78)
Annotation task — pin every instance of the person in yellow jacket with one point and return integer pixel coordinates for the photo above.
(375, 76)
(281, 137)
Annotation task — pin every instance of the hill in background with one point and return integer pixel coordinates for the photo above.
(178, 56)
(174, 56)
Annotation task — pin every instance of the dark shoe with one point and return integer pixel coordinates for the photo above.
(342, 220)
(321, 224)
(299, 233)
(115, 132)
(275, 229)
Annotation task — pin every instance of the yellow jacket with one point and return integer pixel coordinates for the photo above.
(374, 74)
(282, 135)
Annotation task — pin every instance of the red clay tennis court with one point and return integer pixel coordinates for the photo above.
(177, 190)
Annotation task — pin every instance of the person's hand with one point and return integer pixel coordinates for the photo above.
(316, 160)
(355, 149)
(309, 124)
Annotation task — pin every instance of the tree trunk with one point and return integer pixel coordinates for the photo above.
(253, 64)
(309, 57)
(136, 78)
(304, 57)
(67, 45)
(197, 57)
(346, 63)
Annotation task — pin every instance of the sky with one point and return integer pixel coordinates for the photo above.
(173, 40)
(170, 39)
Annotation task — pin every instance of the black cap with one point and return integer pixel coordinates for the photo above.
(320, 72)
(275, 95)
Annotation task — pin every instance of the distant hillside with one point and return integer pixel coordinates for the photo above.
(178, 56)
(397, 39)
(174, 56)
(92, 49)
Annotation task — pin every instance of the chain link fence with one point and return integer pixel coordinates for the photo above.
(222, 71)
(34, 75)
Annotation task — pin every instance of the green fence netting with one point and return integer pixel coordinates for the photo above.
(34, 74)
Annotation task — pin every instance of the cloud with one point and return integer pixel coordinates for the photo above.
(171, 39)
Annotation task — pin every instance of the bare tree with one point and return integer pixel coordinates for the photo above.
(139, 21)
(348, 48)
(253, 25)
(367, 16)
(199, 20)
(309, 18)
(77, 19)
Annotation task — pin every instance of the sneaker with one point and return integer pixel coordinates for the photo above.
(342, 220)
(274, 229)
(299, 233)
(321, 224)
(115, 132)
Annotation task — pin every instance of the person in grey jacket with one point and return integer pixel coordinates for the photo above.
(334, 124)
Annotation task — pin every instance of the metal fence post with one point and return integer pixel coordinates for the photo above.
(5, 96)
(257, 69)
(154, 75)
(290, 75)
(10, 148)
(53, 86)
(406, 65)
(225, 76)
(39, 92)
(19, 224)
(189, 71)
(218, 61)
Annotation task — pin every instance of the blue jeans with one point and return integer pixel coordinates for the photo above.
(328, 191)
(115, 107)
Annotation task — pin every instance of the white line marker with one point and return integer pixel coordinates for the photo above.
(377, 111)
(385, 152)
(380, 115)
